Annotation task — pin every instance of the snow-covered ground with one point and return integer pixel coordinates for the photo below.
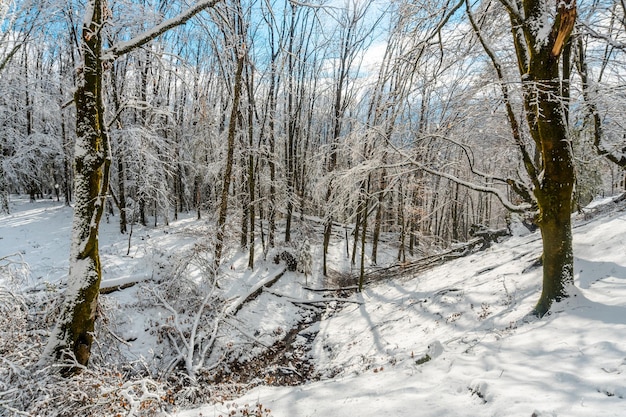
(452, 341)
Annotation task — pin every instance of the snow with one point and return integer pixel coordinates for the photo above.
(455, 340)
(487, 357)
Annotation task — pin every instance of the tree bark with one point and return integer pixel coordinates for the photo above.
(72, 337)
(538, 61)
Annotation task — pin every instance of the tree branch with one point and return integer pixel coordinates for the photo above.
(476, 187)
(515, 129)
(122, 48)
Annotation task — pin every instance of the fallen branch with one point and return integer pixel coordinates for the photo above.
(246, 334)
(314, 301)
(109, 290)
(423, 264)
(349, 288)
(254, 292)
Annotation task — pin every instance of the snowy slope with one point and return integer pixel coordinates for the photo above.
(487, 357)
(452, 341)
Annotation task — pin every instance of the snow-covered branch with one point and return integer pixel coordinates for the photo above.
(122, 48)
(500, 195)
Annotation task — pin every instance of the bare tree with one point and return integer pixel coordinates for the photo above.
(234, 33)
(73, 335)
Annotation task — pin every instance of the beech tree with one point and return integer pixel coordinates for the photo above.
(540, 37)
(72, 337)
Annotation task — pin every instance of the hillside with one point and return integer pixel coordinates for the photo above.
(454, 340)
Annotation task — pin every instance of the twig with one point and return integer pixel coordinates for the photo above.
(255, 291)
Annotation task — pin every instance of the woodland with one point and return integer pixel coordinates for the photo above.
(405, 129)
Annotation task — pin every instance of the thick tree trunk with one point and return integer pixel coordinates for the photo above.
(554, 198)
(544, 88)
(538, 61)
(558, 258)
(71, 340)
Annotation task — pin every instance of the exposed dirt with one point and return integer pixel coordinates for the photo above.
(286, 363)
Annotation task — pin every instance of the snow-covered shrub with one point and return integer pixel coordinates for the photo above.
(27, 388)
(193, 312)
(14, 271)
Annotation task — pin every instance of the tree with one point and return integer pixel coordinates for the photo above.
(72, 337)
(353, 34)
(237, 35)
(540, 37)
(604, 45)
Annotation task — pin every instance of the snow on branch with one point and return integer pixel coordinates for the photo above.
(409, 160)
(253, 292)
(122, 48)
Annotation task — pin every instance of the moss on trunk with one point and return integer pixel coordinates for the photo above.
(539, 56)
(72, 338)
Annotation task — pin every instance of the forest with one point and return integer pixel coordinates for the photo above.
(344, 139)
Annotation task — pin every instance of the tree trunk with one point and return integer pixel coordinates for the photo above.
(538, 60)
(67, 165)
(379, 215)
(272, 162)
(121, 168)
(228, 169)
(357, 230)
(4, 186)
(365, 191)
(538, 55)
(245, 206)
(121, 184)
(72, 337)
(291, 128)
(251, 167)
(403, 226)
(554, 197)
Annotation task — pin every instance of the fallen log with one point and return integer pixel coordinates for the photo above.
(314, 301)
(254, 292)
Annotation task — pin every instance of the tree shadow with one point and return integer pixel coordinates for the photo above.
(592, 271)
